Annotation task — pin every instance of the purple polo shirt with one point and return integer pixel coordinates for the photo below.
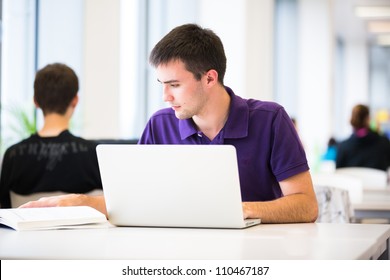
(268, 147)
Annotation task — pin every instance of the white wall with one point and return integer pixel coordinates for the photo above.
(245, 28)
(132, 54)
(101, 69)
(315, 57)
(229, 24)
(259, 46)
(61, 40)
(356, 89)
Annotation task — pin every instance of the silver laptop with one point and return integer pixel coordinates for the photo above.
(172, 185)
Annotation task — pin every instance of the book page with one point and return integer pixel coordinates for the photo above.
(47, 217)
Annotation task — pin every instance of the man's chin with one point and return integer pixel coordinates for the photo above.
(181, 116)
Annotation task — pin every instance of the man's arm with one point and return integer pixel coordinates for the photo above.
(298, 204)
(96, 202)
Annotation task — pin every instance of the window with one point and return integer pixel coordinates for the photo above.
(17, 67)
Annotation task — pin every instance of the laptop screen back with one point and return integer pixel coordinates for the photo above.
(171, 185)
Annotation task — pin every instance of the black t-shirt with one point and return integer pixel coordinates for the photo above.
(44, 164)
(372, 150)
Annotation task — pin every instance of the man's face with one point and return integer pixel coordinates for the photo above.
(181, 90)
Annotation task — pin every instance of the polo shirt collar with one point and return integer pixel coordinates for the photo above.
(187, 128)
(236, 125)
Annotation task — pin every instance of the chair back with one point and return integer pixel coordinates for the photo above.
(353, 185)
(333, 205)
(371, 178)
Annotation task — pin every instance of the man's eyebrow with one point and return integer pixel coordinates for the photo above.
(168, 82)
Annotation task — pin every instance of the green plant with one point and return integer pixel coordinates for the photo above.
(27, 121)
(18, 122)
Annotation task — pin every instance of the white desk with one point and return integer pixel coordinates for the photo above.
(375, 204)
(272, 242)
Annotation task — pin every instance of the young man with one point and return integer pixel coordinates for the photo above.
(275, 182)
(52, 159)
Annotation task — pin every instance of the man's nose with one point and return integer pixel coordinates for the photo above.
(167, 96)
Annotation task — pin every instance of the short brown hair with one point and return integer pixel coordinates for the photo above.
(360, 116)
(199, 49)
(55, 86)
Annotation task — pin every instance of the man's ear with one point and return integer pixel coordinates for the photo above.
(211, 77)
(35, 103)
(74, 101)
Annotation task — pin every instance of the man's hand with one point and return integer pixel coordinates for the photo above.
(57, 201)
(297, 205)
(96, 202)
(249, 209)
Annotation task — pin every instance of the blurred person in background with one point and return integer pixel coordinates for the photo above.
(365, 147)
(331, 150)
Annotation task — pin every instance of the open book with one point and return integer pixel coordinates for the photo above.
(52, 218)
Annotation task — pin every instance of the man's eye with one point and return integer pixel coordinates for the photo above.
(174, 85)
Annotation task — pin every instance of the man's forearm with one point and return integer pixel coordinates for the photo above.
(295, 208)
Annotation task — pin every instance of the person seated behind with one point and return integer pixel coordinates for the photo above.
(275, 180)
(52, 159)
(331, 150)
(365, 147)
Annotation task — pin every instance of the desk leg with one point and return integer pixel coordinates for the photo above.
(386, 253)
